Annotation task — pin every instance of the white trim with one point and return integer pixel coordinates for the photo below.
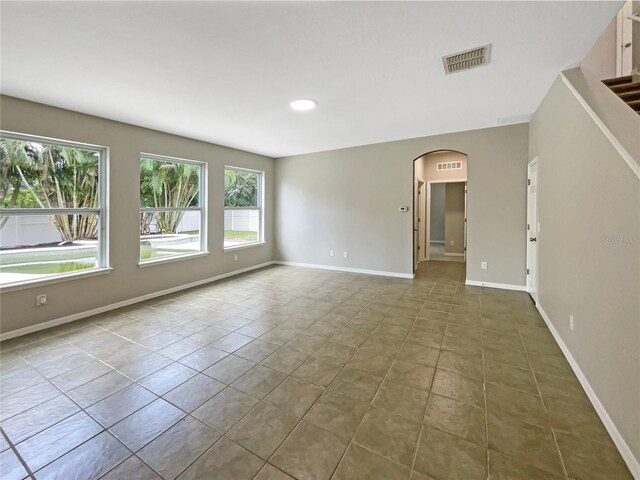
(635, 168)
(454, 254)
(203, 200)
(168, 158)
(44, 281)
(244, 245)
(623, 448)
(173, 258)
(262, 179)
(102, 211)
(77, 316)
(346, 269)
(503, 286)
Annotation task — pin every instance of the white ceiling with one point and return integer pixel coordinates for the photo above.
(225, 72)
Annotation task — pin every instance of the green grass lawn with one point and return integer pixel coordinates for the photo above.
(240, 236)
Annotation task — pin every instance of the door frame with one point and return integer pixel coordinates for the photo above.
(624, 36)
(417, 220)
(428, 214)
(532, 229)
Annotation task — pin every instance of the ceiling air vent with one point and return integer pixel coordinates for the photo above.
(476, 57)
(448, 166)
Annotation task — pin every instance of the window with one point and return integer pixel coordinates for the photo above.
(52, 208)
(172, 216)
(242, 207)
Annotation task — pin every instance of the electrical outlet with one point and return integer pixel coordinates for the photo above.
(571, 322)
(483, 265)
(41, 300)
(235, 258)
(332, 253)
(345, 254)
(451, 242)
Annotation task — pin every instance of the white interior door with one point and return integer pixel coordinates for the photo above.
(533, 227)
(624, 40)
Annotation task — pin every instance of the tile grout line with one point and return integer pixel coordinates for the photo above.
(12, 447)
(484, 390)
(435, 368)
(374, 396)
(394, 413)
(84, 410)
(546, 412)
(325, 389)
(224, 434)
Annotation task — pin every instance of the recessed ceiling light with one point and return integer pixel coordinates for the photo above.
(303, 104)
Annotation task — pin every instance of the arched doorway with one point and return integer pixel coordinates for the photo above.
(439, 207)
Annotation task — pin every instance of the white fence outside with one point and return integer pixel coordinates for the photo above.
(28, 230)
(36, 229)
(245, 219)
(190, 222)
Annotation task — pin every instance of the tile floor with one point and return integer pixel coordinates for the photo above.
(296, 373)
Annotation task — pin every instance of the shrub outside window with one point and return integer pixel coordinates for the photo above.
(52, 208)
(172, 213)
(243, 213)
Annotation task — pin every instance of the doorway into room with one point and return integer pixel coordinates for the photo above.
(440, 207)
(446, 229)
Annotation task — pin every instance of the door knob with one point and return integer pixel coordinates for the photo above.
(533, 239)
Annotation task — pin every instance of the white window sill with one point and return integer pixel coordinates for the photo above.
(175, 258)
(244, 245)
(41, 282)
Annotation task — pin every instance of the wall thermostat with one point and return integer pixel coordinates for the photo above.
(404, 209)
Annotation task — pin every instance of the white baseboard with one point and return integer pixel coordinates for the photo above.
(347, 269)
(77, 316)
(626, 453)
(503, 286)
(454, 254)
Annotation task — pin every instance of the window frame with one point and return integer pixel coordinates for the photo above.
(259, 207)
(202, 202)
(102, 258)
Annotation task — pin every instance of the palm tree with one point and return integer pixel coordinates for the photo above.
(52, 176)
(16, 158)
(167, 185)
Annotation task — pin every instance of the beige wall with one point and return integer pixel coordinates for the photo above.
(601, 59)
(622, 121)
(348, 199)
(589, 252)
(430, 170)
(454, 218)
(127, 280)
